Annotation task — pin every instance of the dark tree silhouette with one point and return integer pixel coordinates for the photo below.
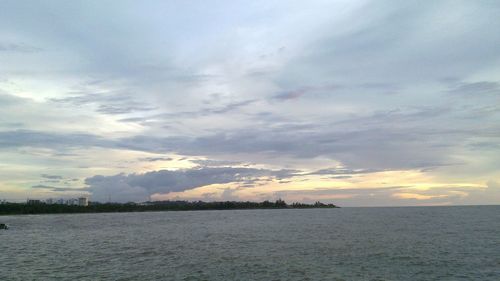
(96, 207)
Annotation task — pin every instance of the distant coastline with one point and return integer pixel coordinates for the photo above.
(96, 207)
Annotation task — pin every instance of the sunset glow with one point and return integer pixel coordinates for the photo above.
(340, 101)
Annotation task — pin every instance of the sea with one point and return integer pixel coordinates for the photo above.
(397, 243)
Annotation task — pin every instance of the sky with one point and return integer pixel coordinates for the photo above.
(356, 103)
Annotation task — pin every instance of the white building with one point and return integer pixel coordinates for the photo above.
(83, 201)
(72, 202)
(33, 201)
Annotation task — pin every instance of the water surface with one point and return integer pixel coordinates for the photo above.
(421, 243)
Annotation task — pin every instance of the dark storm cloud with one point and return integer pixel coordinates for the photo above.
(383, 148)
(140, 186)
(393, 139)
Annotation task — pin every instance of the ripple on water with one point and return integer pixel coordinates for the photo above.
(323, 244)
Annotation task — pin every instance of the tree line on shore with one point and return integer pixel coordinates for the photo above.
(96, 207)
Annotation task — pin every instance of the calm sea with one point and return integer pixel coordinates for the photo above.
(421, 243)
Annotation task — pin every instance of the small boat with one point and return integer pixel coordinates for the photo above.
(3, 226)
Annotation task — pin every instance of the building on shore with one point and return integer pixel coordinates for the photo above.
(83, 201)
(72, 201)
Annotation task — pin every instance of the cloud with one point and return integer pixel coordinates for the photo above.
(228, 107)
(90, 98)
(297, 93)
(20, 138)
(371, 148)
(214, 163)
(113, 104)
(137, 187)
(60, 189)
(404, 195)
(202, 112)
(289, 95)
(344, 171)
(370, 196)
(154, 159)
(373, 48)
(341, 177)
(42, 186)
(366, 85)
(407, 195)
(476, 89)
(481, 196)
(7, 100)
(18, 48)
(122, 109)
(52, 177)
(381, 142)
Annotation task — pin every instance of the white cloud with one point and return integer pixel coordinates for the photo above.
(370, 85)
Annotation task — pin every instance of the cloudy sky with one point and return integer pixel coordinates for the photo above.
(358, 103)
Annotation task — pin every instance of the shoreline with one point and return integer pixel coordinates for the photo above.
(161, 206)
(166, 211)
